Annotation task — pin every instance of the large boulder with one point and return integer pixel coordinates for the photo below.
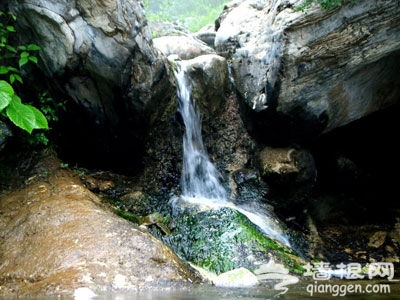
(56, 237)
(98, 57)
(315, 70)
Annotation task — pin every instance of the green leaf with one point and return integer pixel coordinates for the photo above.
(25, 116)
(14, 17)
(11, 48)
(33, 59)
(33, 47)
(12, 69)
(24, 54)
(6, 94)
(22, 61)
(12, 78)
(23, 48)
(3, 70)
(10, 28)
(18, 78)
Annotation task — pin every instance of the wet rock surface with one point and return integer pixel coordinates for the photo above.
(57, 236)
(307, 73)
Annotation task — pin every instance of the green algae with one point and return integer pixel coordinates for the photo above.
(224, 239)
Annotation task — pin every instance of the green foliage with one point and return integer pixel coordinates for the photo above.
(193, 14)
(25, 116)
(12, 59)
(325, 4)
(49, 107)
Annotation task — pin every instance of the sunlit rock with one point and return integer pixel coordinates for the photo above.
(56, 236)
(184, 46)
(237, 278)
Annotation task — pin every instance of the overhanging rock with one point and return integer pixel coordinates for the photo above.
(319, 69)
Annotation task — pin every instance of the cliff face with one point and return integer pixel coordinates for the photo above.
(318, 70)
(98, 56)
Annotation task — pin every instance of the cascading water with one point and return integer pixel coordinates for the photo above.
(200, 179)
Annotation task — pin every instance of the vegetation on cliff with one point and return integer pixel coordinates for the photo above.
(12, 59)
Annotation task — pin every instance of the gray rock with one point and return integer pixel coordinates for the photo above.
(210, 80)
(159, 28)
(5, 133)
(207, 35)
(99, 56)
(183, 46)
(323, 69)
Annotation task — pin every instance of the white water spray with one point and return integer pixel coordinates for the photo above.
(200, 179)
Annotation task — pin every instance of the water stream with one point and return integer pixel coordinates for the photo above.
(201, 181)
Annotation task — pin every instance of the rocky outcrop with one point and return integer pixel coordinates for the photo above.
(182, 46)
(56, 236)
(210, 82)
(98, 57)
(317, 70)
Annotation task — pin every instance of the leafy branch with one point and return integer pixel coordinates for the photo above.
(12, 59)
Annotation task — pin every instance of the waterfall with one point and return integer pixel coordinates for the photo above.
(200, 179)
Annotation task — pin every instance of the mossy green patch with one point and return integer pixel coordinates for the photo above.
(224, 239)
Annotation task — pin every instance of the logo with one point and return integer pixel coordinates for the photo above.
(274, 271)
(323, 271)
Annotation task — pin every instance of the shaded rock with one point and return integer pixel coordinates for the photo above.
(183, 46)
(97, 185)
(291, 176)
(207, 35)
(55, 236)
(377, 239)
(313, 71)
(277, 161)
(5, 133)
(249, 186)
(287, 165)
(136, 202)
(98, 56)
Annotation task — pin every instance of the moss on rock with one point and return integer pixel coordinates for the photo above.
(224, 239)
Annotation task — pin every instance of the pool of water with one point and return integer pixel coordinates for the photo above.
(343, 289)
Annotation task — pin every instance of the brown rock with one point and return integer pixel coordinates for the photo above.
(55, 236)
(377, 239)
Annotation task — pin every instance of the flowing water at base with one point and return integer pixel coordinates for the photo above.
(301, 290)
(306, 289)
